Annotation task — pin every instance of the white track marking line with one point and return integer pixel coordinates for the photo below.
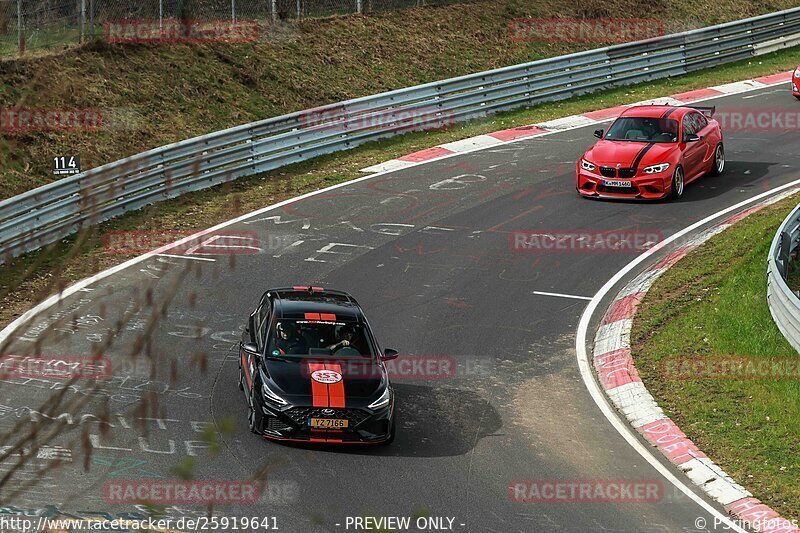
(597, 393)
(193, 257)
(562, 295)
(586, 372)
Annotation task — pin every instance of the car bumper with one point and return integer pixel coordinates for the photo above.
(652, 187)
(796, 86)
(291, 424)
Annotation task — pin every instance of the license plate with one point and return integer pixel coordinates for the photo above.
(616, 183)
(328, 423)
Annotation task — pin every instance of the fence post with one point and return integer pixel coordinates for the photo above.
(20, 32)
(91, 19)
(83, 22)
(161, 16)
(299, 9)
(359, 6)
(233, 10)
(274, 8)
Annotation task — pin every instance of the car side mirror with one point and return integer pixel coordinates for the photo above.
(389, 354)
(692, 138)
(250, 347)
(598, 134)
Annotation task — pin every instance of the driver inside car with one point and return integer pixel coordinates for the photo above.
(347, 336)
(288, 341)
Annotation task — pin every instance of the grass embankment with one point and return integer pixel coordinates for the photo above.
(712, 304)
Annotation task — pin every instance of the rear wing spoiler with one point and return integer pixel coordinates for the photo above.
(706, 110)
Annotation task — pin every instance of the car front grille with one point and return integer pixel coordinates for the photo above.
(608, 172)
(300, 415)
(627, 173)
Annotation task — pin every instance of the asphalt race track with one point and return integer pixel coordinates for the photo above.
(426, 252)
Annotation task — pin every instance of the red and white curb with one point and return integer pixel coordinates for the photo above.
(618, 377)
(496, 138)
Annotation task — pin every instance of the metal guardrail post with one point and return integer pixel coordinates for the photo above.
(784, 253)
(91, 19)
(20, 29)
(82, 37)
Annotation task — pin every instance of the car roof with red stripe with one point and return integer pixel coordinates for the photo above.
(298, 302)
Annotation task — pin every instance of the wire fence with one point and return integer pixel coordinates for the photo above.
(42, 24)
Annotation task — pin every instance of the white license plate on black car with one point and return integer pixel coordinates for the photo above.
(616, 183)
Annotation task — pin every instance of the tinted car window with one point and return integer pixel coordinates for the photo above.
(700, 121)
(688, 125)
(319, 338)
(643, 129)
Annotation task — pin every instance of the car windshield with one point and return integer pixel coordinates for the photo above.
(303, 338)
(643, 129)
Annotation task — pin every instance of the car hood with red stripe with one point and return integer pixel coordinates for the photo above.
(627, 153)
(339, 382)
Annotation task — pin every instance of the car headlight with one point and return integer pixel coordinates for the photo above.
(797, 73)
(271, 397)
(655, 169)
(383, 401)
(585, 165)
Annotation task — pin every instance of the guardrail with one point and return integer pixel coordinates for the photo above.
(51, 212)
(784, 305)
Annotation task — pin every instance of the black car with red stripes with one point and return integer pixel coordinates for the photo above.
(312, 371)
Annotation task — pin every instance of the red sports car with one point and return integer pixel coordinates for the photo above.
(651, 152)
(796, 83)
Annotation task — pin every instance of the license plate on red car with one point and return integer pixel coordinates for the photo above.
(616, 183)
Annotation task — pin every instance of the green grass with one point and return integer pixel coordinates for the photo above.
(713, 304)
(42, 39)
